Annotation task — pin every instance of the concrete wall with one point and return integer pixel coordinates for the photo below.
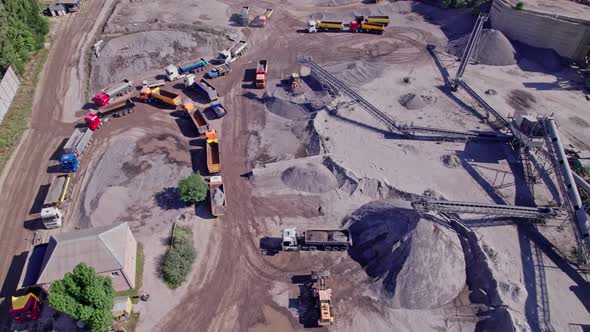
(569, 37)
(8, 87)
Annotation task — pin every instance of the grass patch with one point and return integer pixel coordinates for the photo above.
(179, 258)
(139, 261)
(16, 120)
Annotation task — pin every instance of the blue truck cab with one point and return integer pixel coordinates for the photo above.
(69, 162)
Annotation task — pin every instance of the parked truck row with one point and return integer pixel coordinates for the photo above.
(366, 24)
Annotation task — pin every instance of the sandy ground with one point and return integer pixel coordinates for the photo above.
(314, 168)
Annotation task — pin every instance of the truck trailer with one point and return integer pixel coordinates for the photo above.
(207, 90)
(316, 239)
(338, 26)
(213, 161)
(374, 19)
(195, 67)
(217, 195)
(51, 213)
(106, 95)
(231, 55)
(221, 70)
(261, 70)
(74, 148)
(197, 118)
(148, 95)
(96, 120)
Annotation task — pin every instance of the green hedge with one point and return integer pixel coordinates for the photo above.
(179, 257)
(22, 30)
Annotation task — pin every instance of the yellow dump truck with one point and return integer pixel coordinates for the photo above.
(374, 19)
(150, 95)
(319, 26)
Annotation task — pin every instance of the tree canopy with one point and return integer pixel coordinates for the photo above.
(192, 189)
(22, 30)
(84, 295)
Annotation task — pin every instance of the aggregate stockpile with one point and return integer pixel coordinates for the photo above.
(106, 95)
(217, 195)
(74, 148)
(52, 214)
(316, 239)
(419, 264)
(213, 162)
(494, 49)
(96, 120)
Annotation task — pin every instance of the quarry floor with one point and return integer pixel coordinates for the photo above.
(135, 162)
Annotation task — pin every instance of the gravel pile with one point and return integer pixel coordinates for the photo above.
(412, 101)
(311, 178)
(451, 160)
(494, 48)
(286, 109)
(217, 197)
(419, 264)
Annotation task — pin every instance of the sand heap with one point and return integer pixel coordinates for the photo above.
(311, 178)
(494, 48)
(285, 109)
(420, 264)
(412, 101)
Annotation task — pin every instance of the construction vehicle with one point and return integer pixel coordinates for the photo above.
(295, 81)
(149, 95)
(51, 214)
(213, 162)
(105, 95)
(218, 109)
(74, 148)
(260, 20)
(217, 195)
(25, 308)
(219, 71)
(153, 84)
(321, 26)
(244, 16)
(261, 70)
(197, 118)
(195, 67)
(172, 73)
(96, 120)
(338, 26)
(206, 89)
(322, 295)
(316, 239)
(231, 55)
(384, 20)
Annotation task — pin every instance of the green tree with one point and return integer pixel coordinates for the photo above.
(85, 296)
(179, 258)
(192, 189)
(520, 5)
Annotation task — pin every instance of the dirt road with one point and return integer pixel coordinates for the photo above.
(238, 291)
(61, 85)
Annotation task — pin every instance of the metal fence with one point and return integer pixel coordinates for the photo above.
(8, 87)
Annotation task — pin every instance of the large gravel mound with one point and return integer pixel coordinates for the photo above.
(421, 264)
(311, 178)
(494, 48)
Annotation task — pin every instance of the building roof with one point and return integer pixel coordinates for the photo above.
(562, 9)
(56, 7)
(68, 2)
(102, 248)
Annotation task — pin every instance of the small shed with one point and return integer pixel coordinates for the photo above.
(121, 306)
(56, 10)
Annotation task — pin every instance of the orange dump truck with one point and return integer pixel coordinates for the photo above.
(213, 162)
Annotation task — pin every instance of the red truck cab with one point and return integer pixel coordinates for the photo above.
(101, 99)
(92, 121)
